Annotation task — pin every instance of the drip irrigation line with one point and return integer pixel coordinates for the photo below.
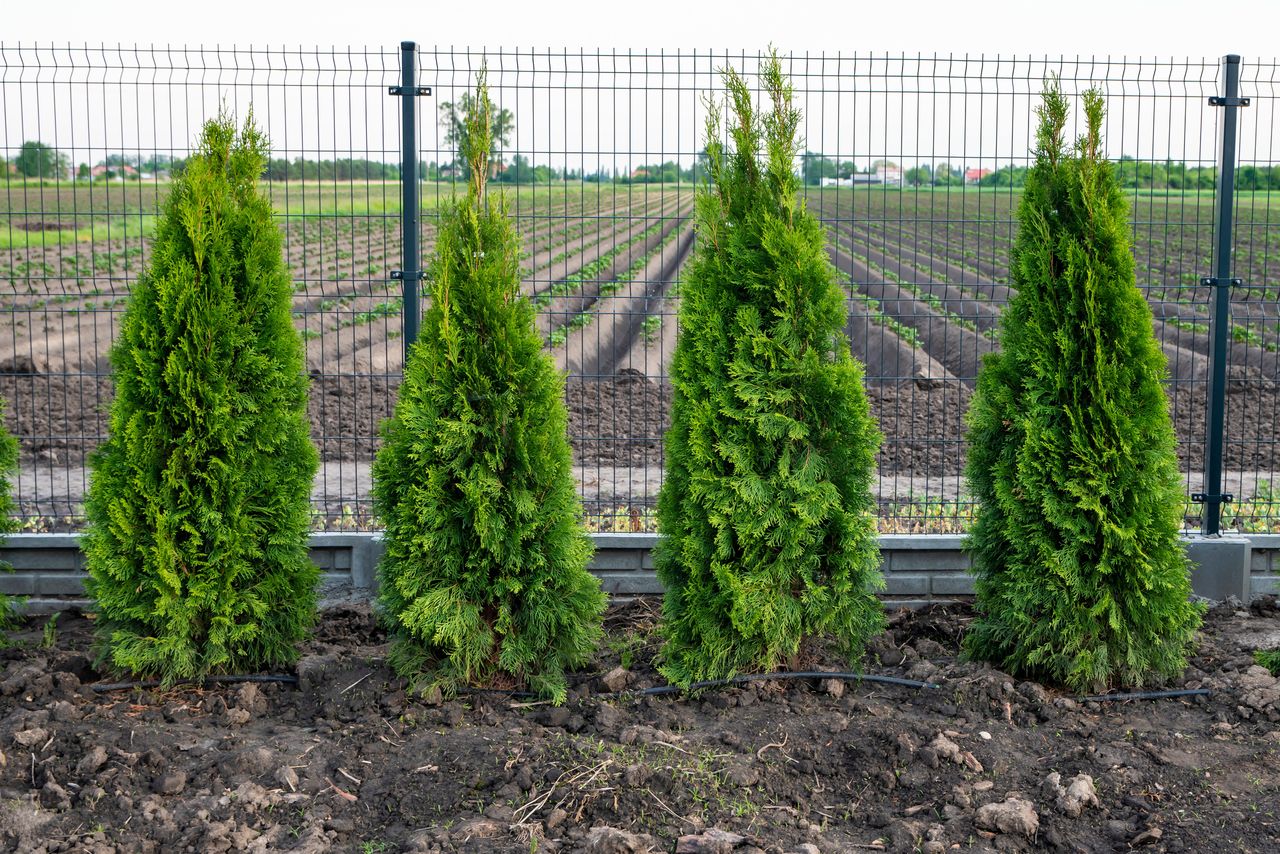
(102, 688)
(768, 677)
(658, 690)
(1145, 695)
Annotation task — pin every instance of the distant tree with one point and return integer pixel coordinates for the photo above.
(945, 176)
(814, 167)
(1081, 577)
(920, 176)
(83, 171)
(37, 160)
(453, 117)
(1005, 176)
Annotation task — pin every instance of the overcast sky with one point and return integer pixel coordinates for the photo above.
(618, 115)
(1119, 27)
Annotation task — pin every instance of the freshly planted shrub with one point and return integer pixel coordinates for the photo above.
(484, 578)
(198, 508)
(766, 509)
(1081, 579)
(8, 464)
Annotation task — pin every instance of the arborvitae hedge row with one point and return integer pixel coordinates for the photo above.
(766, 509)
(198, 508)
(1081, 578)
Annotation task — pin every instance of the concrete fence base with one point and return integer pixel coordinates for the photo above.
(918, 569)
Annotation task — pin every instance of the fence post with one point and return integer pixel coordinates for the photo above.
(1221, 281)
(411, 235)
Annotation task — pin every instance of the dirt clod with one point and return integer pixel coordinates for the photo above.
(92, 761)
(170, 782)
(1012, 815)
(713, 841)
(612, 840)
(1074, 797)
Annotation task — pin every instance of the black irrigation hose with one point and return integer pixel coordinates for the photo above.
(155, 683)
(768, 677)
(1145, 695)
(658, 690)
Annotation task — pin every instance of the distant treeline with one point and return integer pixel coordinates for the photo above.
(39, 161)
(344, 169)
(1132, 174)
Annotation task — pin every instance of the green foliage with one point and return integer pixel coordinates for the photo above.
(37, 160)
(766, 508)
(457, 121)
(8, 465)
(1081, 578)
(485, 566)
(198, 509)
(1268, 658)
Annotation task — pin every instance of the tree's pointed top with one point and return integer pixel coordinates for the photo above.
(1053, 118)
(1095, 110)
(479, 124)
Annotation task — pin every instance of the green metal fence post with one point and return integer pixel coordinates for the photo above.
(1221, 281)
(411, 272)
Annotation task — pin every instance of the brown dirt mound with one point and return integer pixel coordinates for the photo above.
(348, 759)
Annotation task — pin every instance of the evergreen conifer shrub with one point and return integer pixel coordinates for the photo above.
(1081, 578)
(8, 464)
(198, 506)
(766, 509)
(485, 575)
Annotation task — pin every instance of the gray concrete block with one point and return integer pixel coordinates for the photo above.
(919, 560)
(18, 583)
(364, 564)
(60, 584)
(905, 584)
(606, 542)
(952, 585)
(1220, 567)
(322, 558)
(54, 560)
(1263, 585)
(605, 560)
(342, 559)
(629, 583)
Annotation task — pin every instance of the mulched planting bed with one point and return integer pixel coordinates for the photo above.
(346, 760)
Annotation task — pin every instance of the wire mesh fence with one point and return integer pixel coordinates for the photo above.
(913, 164)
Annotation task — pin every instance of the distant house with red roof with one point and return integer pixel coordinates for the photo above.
(973, 176)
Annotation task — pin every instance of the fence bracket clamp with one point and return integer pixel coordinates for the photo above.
(415, 274)
(402, 90)
(1220, 101)
(1203, 498)
(1215, 282)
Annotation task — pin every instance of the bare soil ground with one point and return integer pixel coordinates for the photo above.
(346, 760)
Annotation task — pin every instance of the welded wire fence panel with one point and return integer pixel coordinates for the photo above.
(1252, 449)
(913, 164)
(92, 138)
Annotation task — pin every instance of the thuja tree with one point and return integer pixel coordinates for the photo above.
(8, 464)
(766, 509)
(484, 578)
(198, 507)
(1081, 579)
